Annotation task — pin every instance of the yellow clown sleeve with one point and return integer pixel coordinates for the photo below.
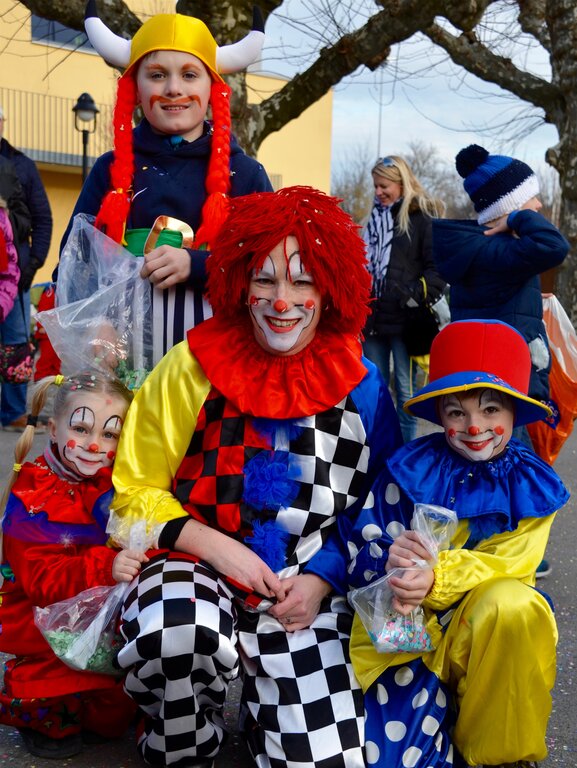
(513, 554)
(156, 434)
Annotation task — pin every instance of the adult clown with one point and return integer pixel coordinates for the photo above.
(252, 445)
(174, 164)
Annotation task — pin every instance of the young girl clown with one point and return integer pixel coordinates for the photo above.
(174, 164)
(55, 546)
(486, 688)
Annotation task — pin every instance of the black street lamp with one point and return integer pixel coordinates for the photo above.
(85, 111)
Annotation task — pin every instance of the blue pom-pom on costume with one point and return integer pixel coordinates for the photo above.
(269, 542)
(270, 427)
(267, 484)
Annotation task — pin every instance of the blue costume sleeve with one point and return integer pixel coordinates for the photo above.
(381, 423)
(386, 512)
(463, 252)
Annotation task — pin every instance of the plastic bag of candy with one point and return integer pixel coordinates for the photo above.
(83, 630)
(390, 631)
(103, 313)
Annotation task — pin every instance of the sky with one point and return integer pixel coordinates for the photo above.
(382, 112)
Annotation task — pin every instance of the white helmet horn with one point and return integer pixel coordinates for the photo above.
(237, 56)
(114, 49)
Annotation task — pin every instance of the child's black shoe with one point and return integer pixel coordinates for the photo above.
(40, 745)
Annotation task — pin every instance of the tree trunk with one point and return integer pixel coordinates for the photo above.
(563, 157)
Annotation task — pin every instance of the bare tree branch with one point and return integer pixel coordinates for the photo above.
(368, 46)
(533, 22)
(467, 51)
(114, 13)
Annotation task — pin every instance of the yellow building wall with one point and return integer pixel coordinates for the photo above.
(300, 153)
(63, 190)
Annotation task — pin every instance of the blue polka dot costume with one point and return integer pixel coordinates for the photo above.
(482, 697)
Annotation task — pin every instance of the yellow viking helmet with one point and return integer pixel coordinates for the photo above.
(174, 32)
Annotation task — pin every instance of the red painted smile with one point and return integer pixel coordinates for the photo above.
(279, 325)
(477, 446)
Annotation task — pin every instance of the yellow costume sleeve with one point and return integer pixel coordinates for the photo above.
(155, 436)
(515, 554)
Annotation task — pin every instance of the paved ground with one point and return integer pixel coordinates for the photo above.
(562, 585)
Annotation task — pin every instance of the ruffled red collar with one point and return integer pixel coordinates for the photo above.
(273, 386)
(42, 490)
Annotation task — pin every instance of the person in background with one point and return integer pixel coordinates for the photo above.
(32, 240)
(9, 271)
(493, 264)
(175, 163)
(399, 252)
(479, 692)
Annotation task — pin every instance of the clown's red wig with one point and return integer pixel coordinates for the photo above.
(331, 250)
(115, 206)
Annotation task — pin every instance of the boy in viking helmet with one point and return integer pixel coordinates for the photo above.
(174, 163)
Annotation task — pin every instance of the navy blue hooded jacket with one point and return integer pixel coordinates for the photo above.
(496, 277)
(170, 181)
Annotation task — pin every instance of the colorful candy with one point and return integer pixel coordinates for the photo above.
(402, 633)
(101, 660)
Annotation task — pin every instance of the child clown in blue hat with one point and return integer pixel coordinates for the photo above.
(483, 695)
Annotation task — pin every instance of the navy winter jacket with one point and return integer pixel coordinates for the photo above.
(170, 181)
(33, 245)
(496, 277)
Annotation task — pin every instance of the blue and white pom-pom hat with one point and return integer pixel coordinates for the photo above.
(496, 184)
(476, 354)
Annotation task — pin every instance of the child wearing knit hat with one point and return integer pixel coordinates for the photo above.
(493, 264)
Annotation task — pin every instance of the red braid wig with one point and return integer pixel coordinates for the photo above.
(330, 246)
(215, 208)
(114, 209)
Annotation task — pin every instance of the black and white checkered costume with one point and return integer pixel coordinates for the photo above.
(301, 705)
(188, 634)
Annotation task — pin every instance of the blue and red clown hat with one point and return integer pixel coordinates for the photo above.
(476, 354)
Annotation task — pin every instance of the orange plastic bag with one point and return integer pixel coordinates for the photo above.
(548, 436)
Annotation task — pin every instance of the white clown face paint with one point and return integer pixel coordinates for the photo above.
(479, 423)
(284, 304)
(87, 431)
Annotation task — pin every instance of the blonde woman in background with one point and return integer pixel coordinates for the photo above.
(399, 252)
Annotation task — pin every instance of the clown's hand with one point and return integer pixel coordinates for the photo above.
(407, 550)
(411, 588)
(127, 563)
